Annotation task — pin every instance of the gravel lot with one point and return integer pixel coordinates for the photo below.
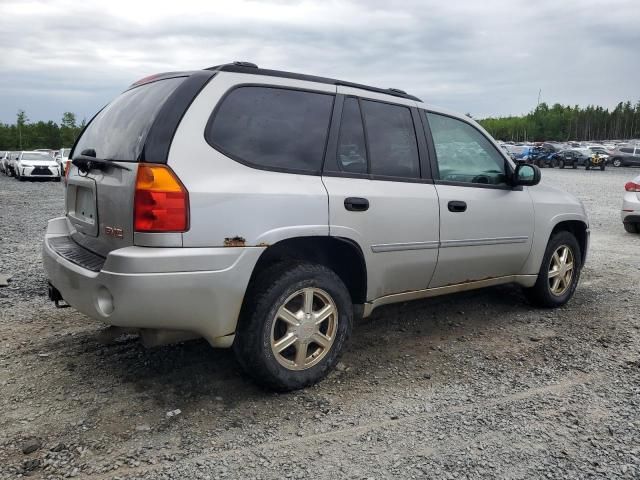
(475, 385)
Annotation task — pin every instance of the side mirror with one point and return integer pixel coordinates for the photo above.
(527, 175)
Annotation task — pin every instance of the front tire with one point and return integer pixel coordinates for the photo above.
(575, 165)
(560, 163)
(559, 273)
(617, 162)
(295, 322)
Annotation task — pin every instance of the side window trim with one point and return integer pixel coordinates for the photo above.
(434, 157)
(366, 136)
(247, 163)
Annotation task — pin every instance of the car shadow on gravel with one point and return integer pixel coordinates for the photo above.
(193, 371)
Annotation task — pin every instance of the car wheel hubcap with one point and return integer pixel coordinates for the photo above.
(304, 329)
(561, 270)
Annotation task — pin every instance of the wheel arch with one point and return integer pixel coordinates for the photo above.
(578, 229)
(342, 255)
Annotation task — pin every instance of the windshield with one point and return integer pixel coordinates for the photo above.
(64, 152)
(35, 156)
(118, 132)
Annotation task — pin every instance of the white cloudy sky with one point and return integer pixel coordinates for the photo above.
(485, 57)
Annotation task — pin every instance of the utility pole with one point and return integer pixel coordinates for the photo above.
(539, 93)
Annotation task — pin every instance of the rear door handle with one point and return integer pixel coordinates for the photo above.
(356, 204)
(457, 206)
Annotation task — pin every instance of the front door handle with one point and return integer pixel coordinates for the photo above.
(356, 204)
(457, 206)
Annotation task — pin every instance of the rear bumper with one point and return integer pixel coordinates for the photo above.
(630, 208)
(191, 289)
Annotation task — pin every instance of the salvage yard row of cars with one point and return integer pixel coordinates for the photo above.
(575, 154)
(34, 164)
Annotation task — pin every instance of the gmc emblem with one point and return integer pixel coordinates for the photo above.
(114, 232)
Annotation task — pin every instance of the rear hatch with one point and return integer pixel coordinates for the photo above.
(99, 203)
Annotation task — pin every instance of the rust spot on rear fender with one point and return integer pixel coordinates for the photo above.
(234, 242)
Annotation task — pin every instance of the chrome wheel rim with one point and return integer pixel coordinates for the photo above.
(304, 329)
(561, 270)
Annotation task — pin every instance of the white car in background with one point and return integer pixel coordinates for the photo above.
(36, 165)
(631, 206)
(62, 157)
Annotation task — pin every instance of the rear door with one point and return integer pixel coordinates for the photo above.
(486, 226)
(377, 194)
(99, 203)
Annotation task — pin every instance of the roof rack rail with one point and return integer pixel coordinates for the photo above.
(245, 64)
(252, 68)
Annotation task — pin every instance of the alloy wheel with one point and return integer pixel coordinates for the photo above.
(304, 329)
(561, 270)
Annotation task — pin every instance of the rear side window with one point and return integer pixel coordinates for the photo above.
(272, 128)
(393, 148)
(118, 132)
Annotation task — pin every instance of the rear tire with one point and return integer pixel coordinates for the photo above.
(262, 329)
(575, 165)
(602, 167)
(632, 227)
(542, 294)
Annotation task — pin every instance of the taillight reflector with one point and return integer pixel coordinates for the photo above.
(161, 203)
(632, 187)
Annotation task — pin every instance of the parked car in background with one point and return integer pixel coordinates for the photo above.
(62, 157)
(628, 156)
(35, 164)
(11, 163)
(599, 149)
(571, 158)
(4, 156)
(631, 206)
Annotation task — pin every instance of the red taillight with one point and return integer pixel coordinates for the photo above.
(632, 187)
(67, 167)
(161, 203)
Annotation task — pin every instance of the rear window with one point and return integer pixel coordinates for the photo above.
(118, 132)
(272, 128)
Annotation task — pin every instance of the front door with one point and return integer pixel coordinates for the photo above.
(486, 226)
(377, 197)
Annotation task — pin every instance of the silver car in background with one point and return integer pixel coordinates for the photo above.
(631, 206)
(263, 210)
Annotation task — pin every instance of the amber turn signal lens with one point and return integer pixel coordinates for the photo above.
(161, 202)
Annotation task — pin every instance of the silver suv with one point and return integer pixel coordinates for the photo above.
(263, 210)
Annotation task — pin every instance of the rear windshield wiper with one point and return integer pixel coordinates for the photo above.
(86, 162)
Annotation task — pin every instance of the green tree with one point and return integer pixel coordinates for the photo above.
(68, 129)
(21, 121)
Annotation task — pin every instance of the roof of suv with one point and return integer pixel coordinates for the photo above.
(252, 69)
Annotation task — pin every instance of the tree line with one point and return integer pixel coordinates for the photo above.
(563, 123)
(27, 135)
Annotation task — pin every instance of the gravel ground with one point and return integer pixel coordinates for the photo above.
(475, 385)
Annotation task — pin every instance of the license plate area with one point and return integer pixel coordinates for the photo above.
(82, 205)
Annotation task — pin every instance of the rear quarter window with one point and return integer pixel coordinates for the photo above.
(272, 128)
